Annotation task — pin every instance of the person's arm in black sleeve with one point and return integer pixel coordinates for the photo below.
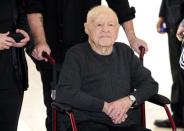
(22, 19)
(69, 88)
(125, 15)
(162, 9)
(122, 9)
(34, 6)
(161, 20)
(143, 83)
(20, 26)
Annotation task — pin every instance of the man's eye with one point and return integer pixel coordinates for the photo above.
(111, 24)
(99, 24)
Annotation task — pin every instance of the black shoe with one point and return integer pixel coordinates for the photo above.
(167, 124)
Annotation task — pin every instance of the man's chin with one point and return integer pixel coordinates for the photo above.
(106, 43)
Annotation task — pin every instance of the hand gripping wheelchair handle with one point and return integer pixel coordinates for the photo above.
(50, 59)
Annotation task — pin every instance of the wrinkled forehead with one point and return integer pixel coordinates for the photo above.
(102, 13)
(104, 18)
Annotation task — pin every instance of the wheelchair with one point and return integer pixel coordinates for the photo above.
(157, 99)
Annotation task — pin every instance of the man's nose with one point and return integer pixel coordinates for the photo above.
(105, 28)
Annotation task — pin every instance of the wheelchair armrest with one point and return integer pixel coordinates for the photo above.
(159, 100)
(61, 107)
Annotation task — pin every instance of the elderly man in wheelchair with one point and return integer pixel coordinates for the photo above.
(102, 80)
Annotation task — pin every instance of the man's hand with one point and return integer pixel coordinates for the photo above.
(39, 48)
(136, 43)
(117, 110)
(160, 25)
(5, 41)
(24, 41)
(180, 31)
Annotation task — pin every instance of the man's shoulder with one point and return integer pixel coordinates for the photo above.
(78, 48)
(122, 46)
(123, 50)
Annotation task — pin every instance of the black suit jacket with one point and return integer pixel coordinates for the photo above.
(13, 67)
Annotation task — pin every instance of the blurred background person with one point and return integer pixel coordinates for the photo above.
(13, 66)
(171, 13)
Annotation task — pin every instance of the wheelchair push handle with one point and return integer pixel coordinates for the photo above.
(142, 52)
(50, 59)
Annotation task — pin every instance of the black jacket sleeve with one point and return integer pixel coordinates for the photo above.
(162, 9)
(21, 21)
(123, 10)
(34, 6)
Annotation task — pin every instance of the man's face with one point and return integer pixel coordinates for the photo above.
(103, 29)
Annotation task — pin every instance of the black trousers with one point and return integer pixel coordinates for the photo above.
(91, 126)
(177, 93)
(63, 124)
(46, 76)
(10, 106)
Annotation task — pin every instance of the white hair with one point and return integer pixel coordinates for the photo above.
(98, 10)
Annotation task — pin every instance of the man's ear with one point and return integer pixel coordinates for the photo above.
(86, 28)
